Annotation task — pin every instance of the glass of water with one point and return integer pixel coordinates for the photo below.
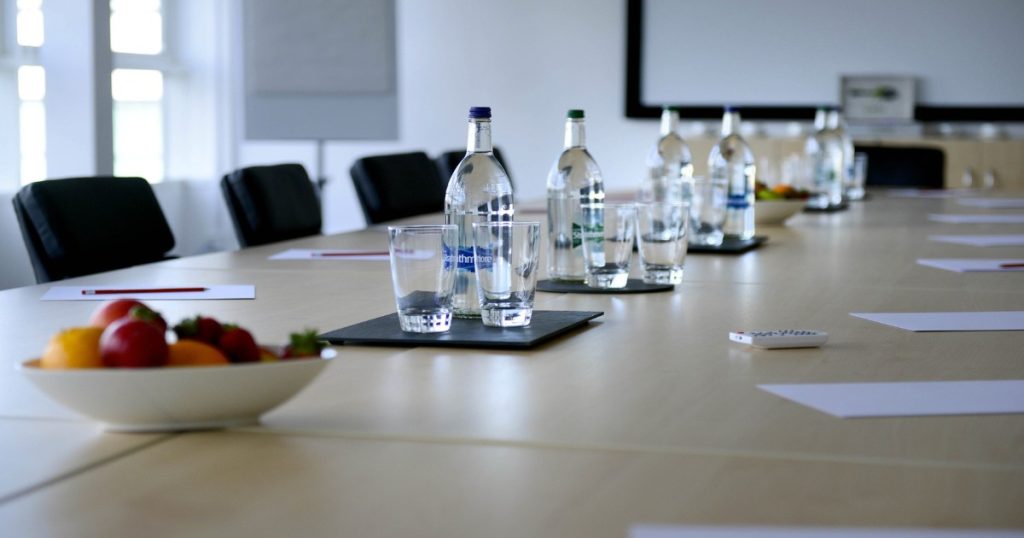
(662, 240)
(607, 248)
(423, 274)
(506, 257)
(707, 211)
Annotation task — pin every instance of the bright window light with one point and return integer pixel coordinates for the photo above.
(136, 26)
(30, 23)
(32, 127)
(31, 83)
(137, 85)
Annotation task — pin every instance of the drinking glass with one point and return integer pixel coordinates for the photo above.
(661, 241)
(707, 211)
(506, 257)
(608, 248)
(860, 174)
(423, 275)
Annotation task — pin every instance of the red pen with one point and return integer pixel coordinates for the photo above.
(142, 290)
(343, 254)
(1011, 265)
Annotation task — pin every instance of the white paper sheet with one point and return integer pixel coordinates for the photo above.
(907, 399)
(331, 254)
(993, 203)
(1016, 218)
(963, 265)
(995, 240)
(949, 321)
(75, 293)
(701, 531)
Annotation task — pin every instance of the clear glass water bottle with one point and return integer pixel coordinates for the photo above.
(836, 123)
(669, 164)
(732, 161)
(575, 202)
(478, 191)
(824, 151)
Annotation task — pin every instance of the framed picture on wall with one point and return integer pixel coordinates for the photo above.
(878, 98)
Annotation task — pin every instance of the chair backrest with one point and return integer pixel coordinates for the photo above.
(395, 186)
(908, 166)
(80, 226)
(271, 203)
(448, 161)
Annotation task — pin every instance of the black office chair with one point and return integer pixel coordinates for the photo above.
(80, 226)
(449, 160)
(907, 166)
(396, 186)
(271, 203)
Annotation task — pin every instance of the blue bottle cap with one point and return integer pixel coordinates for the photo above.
(730, 108)
(479, 112)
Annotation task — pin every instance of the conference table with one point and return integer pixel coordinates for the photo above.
(648, 415)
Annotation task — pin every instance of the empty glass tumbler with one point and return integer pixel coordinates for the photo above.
(662, 241)
(707, 211)
(423, 274)
(506, 257)
(607, 252)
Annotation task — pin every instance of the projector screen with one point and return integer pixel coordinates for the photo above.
(778, 59)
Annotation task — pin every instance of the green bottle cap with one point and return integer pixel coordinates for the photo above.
(671, 108)
(575, 114)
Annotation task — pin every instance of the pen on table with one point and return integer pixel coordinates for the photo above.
(343, 254)
(141, 290)
(1011, 265)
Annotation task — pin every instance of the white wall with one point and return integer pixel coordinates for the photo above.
(530, 60)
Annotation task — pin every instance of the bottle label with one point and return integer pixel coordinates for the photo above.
(484, 259)
(577, 235)
(737, 201)
(448, 256)
(465, 259)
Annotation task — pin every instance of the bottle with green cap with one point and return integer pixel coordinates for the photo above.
(575, 202)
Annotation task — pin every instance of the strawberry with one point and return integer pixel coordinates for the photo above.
(303, 344)
(200, 328)
(238, 344)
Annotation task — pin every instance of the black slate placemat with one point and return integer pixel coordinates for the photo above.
(545, 325)
(833, 209)
(632, 286)
(729, 246)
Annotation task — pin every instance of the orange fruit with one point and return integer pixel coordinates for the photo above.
(78, 347)
(195, 353)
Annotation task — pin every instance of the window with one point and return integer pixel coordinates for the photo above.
(137, 85)
(31, 92)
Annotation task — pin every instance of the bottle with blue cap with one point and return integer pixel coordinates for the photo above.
(732, 162)
(478, 191)
(575, 202)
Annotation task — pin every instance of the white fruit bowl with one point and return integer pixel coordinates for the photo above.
(177, 398)
(775, 212)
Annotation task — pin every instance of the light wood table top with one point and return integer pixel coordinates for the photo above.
(647, 415)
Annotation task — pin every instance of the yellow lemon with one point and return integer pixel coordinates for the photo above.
(78, 347)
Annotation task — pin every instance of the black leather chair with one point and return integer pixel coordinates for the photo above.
(80, 226)
(449, 160)
(396, 186)
(272, 203)
(908, 166)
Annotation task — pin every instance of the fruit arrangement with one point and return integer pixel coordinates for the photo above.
(126, 333)
(781, 191)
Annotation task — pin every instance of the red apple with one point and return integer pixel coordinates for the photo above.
(111, 311)
(133, 343)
